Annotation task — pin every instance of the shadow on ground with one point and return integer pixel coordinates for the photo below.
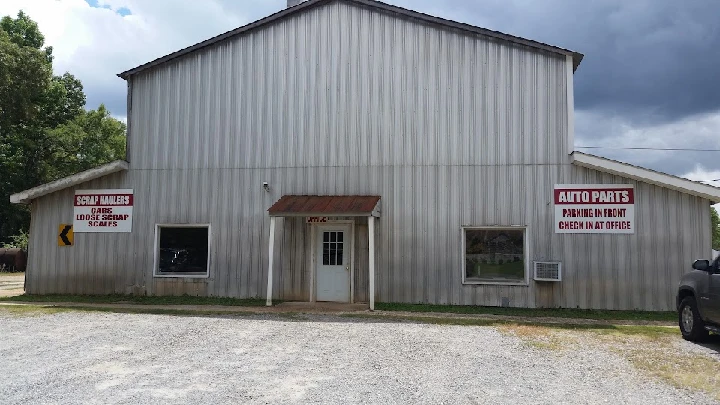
(712, 343)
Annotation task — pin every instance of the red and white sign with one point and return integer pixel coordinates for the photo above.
(103, 211)
(594, 208)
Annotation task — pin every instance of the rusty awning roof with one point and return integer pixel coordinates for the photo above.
(325, 205)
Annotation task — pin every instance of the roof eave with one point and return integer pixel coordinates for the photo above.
(577, 57)
(25, 197)
(644, 175)
(218, 38)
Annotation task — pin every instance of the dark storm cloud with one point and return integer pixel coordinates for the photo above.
(694, 132)
(112, 93)
(647, 60)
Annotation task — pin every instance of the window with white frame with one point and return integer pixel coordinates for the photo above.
(182, 250)
(494, 255)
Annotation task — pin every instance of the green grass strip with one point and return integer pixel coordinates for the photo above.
(533, 312)
(142, 300)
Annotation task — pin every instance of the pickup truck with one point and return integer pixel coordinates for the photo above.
(698, 300)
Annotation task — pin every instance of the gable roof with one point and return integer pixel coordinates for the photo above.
(26, 196)
(372, 4)
(646, 176)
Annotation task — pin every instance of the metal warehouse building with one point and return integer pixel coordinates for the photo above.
(354, 151)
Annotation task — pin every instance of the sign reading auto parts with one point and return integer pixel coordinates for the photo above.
(103, 211)
(594, 208)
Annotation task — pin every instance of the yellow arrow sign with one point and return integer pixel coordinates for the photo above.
(66, 237)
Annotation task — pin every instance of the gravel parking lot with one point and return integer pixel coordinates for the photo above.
(108, 358)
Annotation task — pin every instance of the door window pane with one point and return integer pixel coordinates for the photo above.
(332, 248)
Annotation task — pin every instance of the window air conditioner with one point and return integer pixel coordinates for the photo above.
(547, 271)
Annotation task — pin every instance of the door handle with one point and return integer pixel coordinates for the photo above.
(347, 268)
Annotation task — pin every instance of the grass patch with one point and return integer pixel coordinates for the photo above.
(10, 273)
(647, 331)
(506, 271)
(541, 337)
(158, 311)
(607, 329)
(138, 299)
(683, 370)
(533, 312)
(30, 310)
(291, 316)
(662, 357)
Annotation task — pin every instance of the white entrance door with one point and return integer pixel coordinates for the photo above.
(333, 262)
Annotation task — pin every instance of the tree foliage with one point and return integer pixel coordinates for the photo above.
(23, 31)
(45, 131)
(88, 140)
(715, 223)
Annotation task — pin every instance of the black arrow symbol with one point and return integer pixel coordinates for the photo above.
(63, 235)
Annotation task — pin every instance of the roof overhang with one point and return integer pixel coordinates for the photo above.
(646, 176)
(26, 196)
(372, 4)
(326, 206)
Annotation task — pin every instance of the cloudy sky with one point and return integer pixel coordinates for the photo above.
(650, 77)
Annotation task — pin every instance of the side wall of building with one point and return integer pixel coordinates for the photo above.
(419, 236)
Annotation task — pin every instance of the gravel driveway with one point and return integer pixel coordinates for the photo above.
(79, 357)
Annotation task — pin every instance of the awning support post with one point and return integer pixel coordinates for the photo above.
(271, 253)
(371, 267)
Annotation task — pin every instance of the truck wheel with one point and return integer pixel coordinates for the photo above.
(691, 325)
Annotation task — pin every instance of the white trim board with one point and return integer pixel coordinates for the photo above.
(570, 99)
(26, 196)
(646, 176)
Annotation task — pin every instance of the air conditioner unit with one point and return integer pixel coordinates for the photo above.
(547, 271)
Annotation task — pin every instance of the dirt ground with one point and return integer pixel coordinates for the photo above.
(11, 284)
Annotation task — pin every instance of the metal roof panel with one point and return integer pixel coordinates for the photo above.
(324, 205)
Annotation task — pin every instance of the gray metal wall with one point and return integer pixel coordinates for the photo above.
(450, 130)
(419, 257)
(341, 86)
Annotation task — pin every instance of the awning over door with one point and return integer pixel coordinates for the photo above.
(326, 205)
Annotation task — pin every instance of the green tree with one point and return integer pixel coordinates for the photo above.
(24, 77)
(25, 74)
(92, 138)
(23, 31)
(63, 101)
(45, 132)
(715, 222)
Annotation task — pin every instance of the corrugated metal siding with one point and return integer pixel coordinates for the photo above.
(423, 210)
(450, 130)
(354, 88)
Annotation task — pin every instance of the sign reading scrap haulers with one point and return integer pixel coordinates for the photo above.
(103, 211)
(594, 208)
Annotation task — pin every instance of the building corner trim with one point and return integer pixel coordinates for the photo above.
(569, 87)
